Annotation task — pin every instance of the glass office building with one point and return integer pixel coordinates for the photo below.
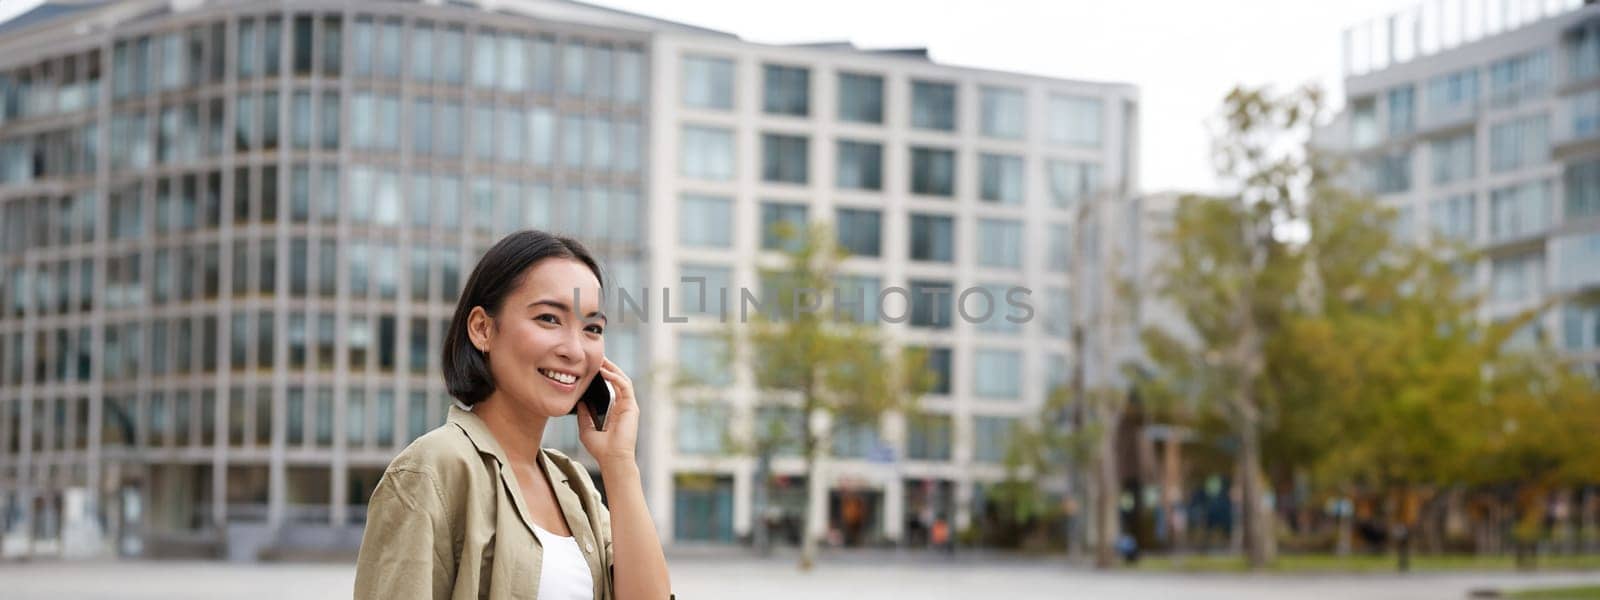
(232, 235)
(1490, 136)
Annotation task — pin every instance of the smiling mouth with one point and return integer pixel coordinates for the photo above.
(559, 377)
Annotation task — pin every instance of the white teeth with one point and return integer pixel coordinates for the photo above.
(561, 377)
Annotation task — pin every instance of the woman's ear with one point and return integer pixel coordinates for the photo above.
(480, 328)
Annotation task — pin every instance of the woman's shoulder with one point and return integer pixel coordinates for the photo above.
(445, 454)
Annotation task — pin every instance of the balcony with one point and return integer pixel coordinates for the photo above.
(1439, 120)
(1577, 135)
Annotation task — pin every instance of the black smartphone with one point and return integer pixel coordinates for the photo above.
(598, 397)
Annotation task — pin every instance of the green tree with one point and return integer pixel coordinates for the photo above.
(1234, 270)
(806, 351)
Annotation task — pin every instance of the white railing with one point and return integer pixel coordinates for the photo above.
(1436, 25)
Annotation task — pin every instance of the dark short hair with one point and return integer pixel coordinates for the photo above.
(501, 270)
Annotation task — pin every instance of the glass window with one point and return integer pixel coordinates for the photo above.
(299, 270)
(932, 238)
(707, 153)
(700, 357)
(860, 98)
(705, 289)
(1452, 96)
(701, 427)
(1402, 111)
(854, 437)
(783, 226)
(1519, 210)
(1514, 79)
(995, 313)
(449, 67)
(1072, 181)
(542, 133)
(1580, 326)
(1000, 243)
(600, 142)
(860, 165)
(991, 436)
(573, 68)
(544, 65)
(1075, 120)
(1452, 158)
(929, 437)
(1005, 112)
(1060, 247)
(363, 40)
(513, 63)
(1000, 178)
(784, 158)
(300, 119)
(602, 78)
(933, 106)
(787, 90)
(930, 303)
(572, 129)
(330, 120)
(422, 126)
(933, 171)
(512, 125)
(249, 49)
(860, 231)
(363, 108)
(627, 158)
(855, 298)
(447, 132)
(1582, 47)
(1519, 143)
(1455, 217)
(703, 221)
(483, 133)
(422, 51)
(1393, 173)
(1516, 278)
(630, 76)
(484, 45)
(389, 49)
(332, 45)
(1577, 254)
(1582, 191)
(418, 422)
(997, 373)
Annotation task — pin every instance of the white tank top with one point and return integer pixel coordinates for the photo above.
(565, 574)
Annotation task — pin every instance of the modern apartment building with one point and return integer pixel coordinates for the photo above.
(1483, 126)
(232, 235)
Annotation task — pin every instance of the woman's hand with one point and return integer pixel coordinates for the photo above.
(615, 445)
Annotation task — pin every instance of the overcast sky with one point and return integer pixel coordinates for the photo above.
(1183, 55)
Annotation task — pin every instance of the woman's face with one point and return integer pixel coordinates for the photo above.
(543, 351)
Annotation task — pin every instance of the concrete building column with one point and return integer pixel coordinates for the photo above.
(744, 485)
(894, 508)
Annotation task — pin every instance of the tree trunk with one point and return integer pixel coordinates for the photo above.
(1258, 534)
(1346, 524)
(1106, 509)
(808, 536)
(761, 536)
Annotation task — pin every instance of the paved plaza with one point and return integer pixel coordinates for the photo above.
(706, 577)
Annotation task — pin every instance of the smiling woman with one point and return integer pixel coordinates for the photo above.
(477, 507)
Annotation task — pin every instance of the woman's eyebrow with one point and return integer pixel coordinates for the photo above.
(564, 308)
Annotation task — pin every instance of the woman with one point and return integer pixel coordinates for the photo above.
(476, 508)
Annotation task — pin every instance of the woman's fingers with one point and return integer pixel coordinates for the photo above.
(585, 422)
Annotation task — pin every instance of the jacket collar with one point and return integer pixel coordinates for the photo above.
(572, 509)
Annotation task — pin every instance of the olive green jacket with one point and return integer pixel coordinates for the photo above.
(448, 521)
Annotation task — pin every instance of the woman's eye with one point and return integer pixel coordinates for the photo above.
(595, 329)
(548, 319)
